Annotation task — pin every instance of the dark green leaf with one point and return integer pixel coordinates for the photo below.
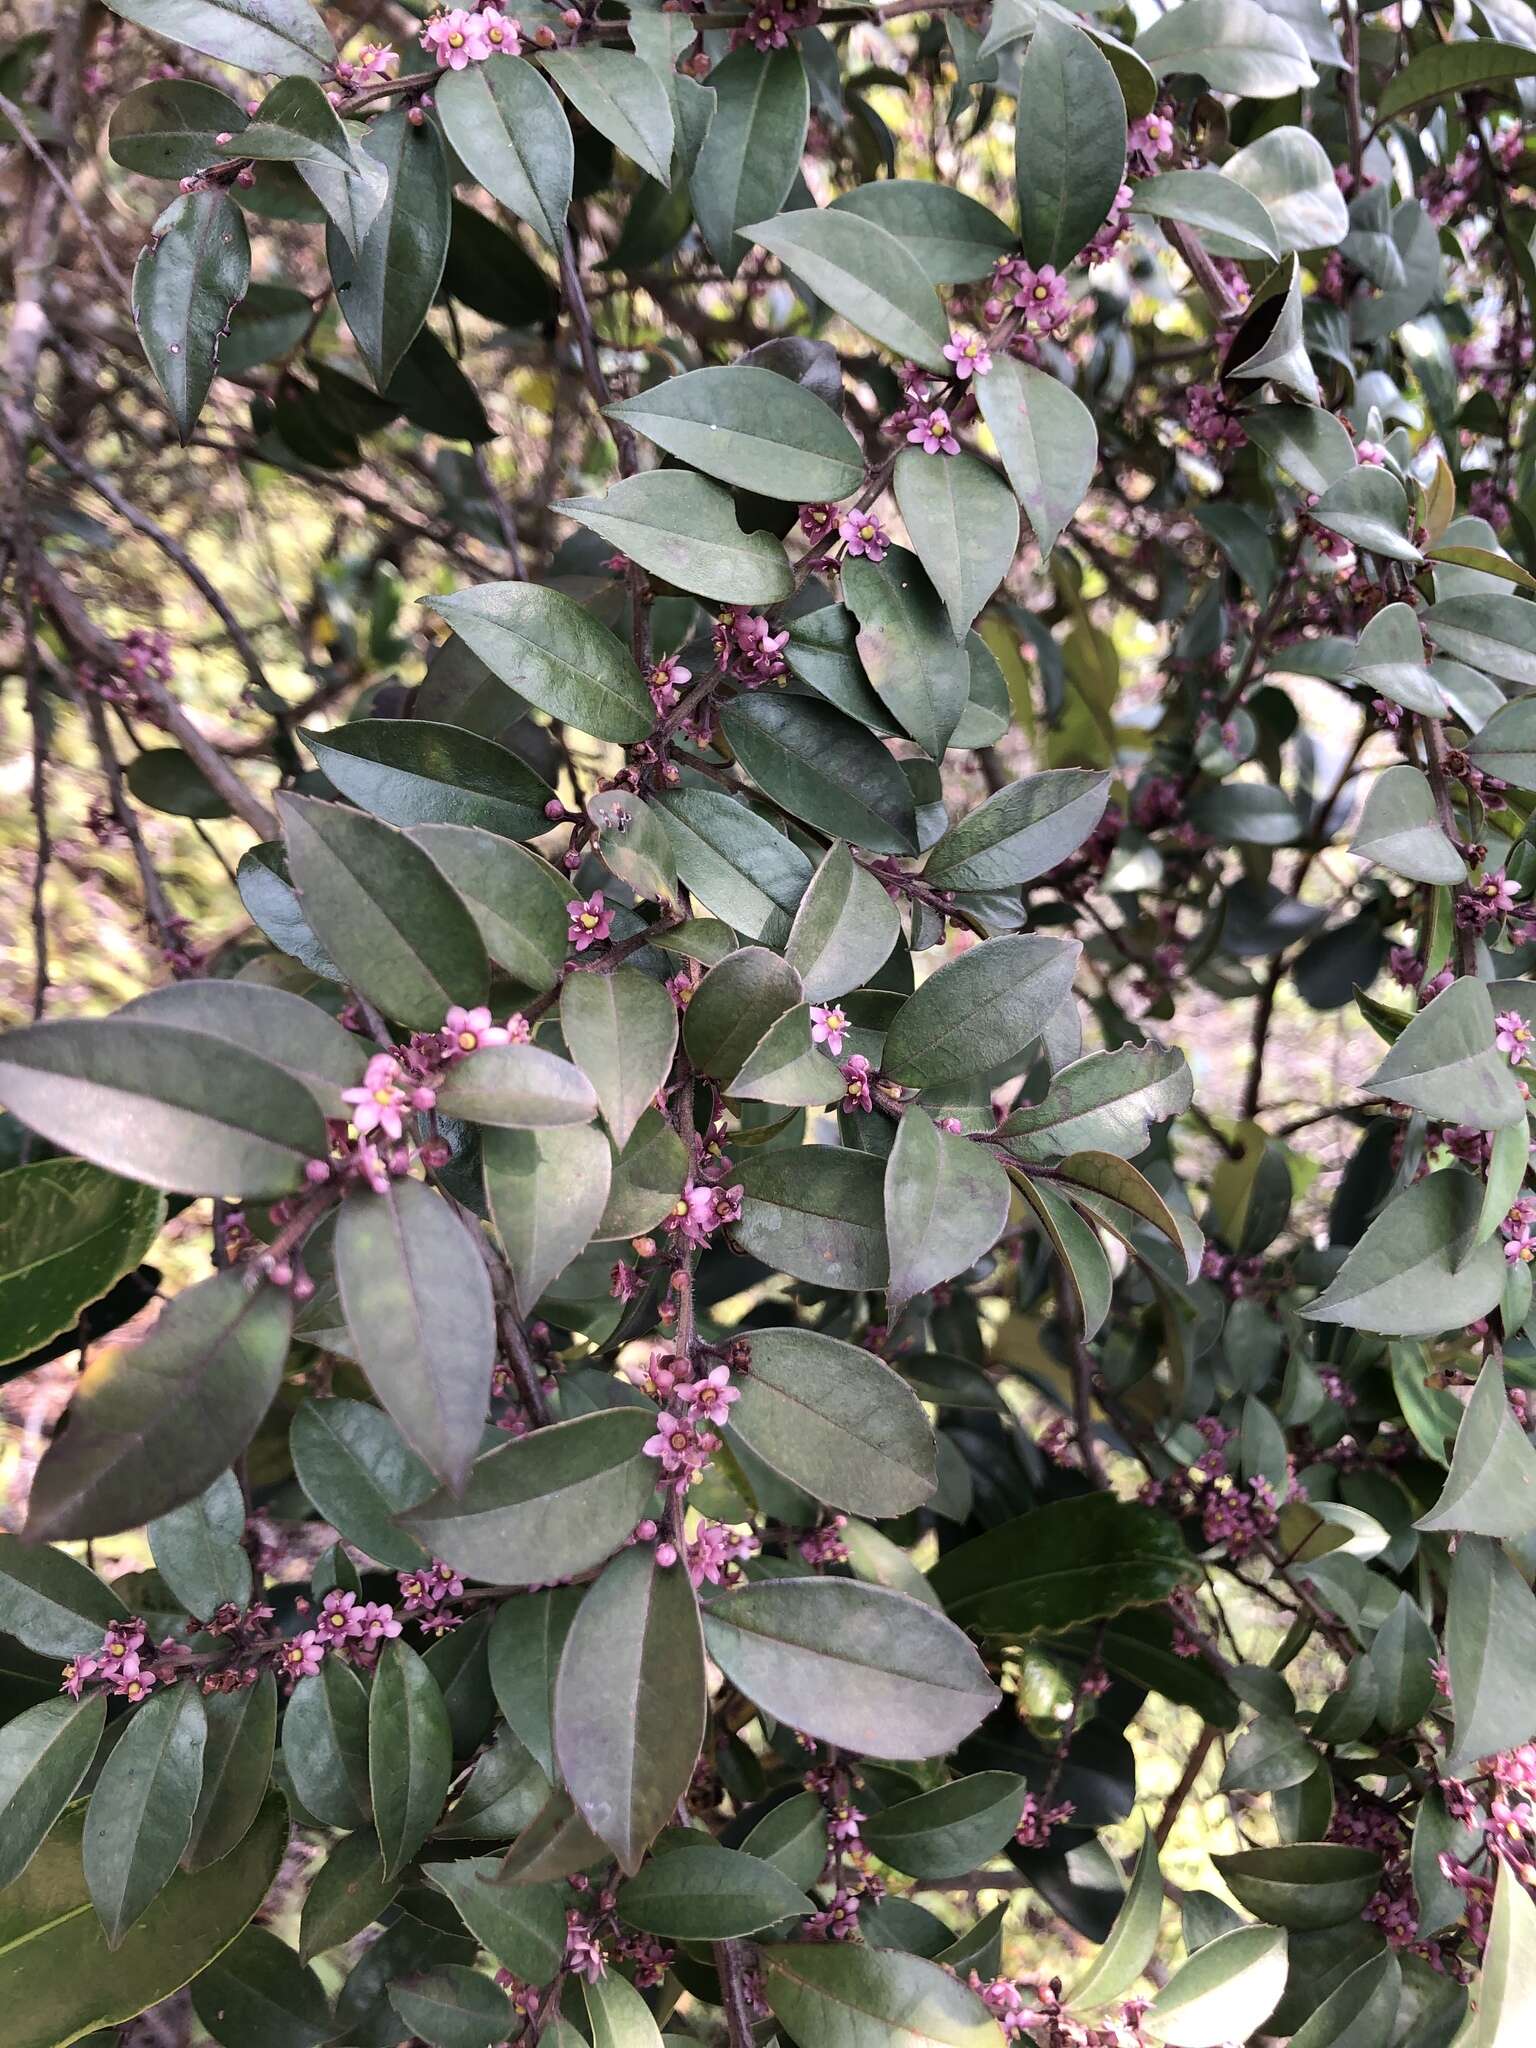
(621, 1029)
(412, 772)
(946, 1205)
(44, 1754)
(963, 523)
(359, 1473)
(707, 1893)
(140, 1817)
(749, 875)
(510, 133)
(516, 900)
(844, 929)
(1416, 1272)
(1445, 1062)
(152, 1423)
(823, 768)
(453, 2007)
(623, 99)
(955, 239)
(1047, 440)
(285, 36)
(908, 651)
(325, 1745)
(817, 1213)
(876, 1672)
(51, 1603)
(1490, 1640)
(197, 1549)
(237, 1768)
(258, 1994)
(684, 528)
(165, 129)
(546, 1191)
(952, 1830)
(346, 1894)
(1020, 833)
(68, 1234)
(522, 1925)
(752, 152)
(834, 1995)
(546, 1506)
(1490, 1489)
(863, 272)
(556, 655)
(1304, 1885)
(1440, 72)
(385, 287)
(186, 283)
(418, 1307)
(1069, 141)
(1061, 1565)
(527, 1638)
(410, 1754)
(734, 1006)
(979, 1011)
(517, 1088)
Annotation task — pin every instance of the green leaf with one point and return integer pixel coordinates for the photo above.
(816, 1213)
(510, 133)
(418, 1307)
(1506, 746)
(1022, 832)
(946, 1205)
(149, 1101)
(1417, 1270)
(952, 1830)
(1304, 1885)
(630, 1701)
(1389, 661)
(153, 1423)
(1251, 813)
(556, 655)
(1047, 440)
(286, 36)
(876, 1672)
(1442, 71)
(708, 1893)
(410, 1754)
(325, 1746)
(752, 429)
(955, 239)
(863, 272)
(1105, 1102)
(1085, 1266)
(1490, 1489)
(272, 903)
(979, 1011)
(1400, 829)
(44, 1754)
(259, 1995)
(197, 1549)
(1061, 1565)
(285, 1029)
(647, 1179)
(1069, 139)
(844, 929)
(908, 651)
(454, 2007)
(1361, 2013)
(843, 1996)
(50, 1603)
(832, 1419)
(1402, 1657)
(1216, 203)
(59, 1979)
(733, 1007)
(186, 283)
(522, 1925)
(1288, 171)
(516, 900)
(346, 1894)
(1305, 442)
(383, 912)
(1445, 1062)
(1494, 634)
(412, 772)
(747, 874)
(296, 123)
(1269, 1756)
(623, 99)
(621, 1029)
(963, 523)
(787, 1067)
(823, 768)
(750, 157)
(165, 129)
(1226, 1989)
(517, 1088)
(1368, 507)
(237, 1768)
(1131, 1942)
(359, 1473)
(619, 2017)
(1508, 1984)
(1490, 1639)
(545, 1506)
(385, 287)
(546, 1192)
(140, 1817)
(683, 528)
(632, 841)
(68, 1234)
(1234, 45)
(527, 1638)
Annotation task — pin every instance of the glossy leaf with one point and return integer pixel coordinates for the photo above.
(412, 772)
(386, 286)
(68, 1234)
(410, 1754)
(186, 283)
(846, 1996)
(818, 1214)
(823, 768)
(1022, 832)
(359, 1473)
(621, 1029)
(1061, 1565)
(844, 928)
(139, 1819)
(979, 1011)
(546, 1191)
(44, 1754)
(1047, 440)
(1069, 142)
(907, 648)
(510, 132)
(751, 154)
(556, 655)
(863, 272)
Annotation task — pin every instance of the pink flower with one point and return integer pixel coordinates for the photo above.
(301, 1656)
(1498, 892)
(969, 354)
(1042, 297)
(702, 1208)
(667, 680)
(1520, 1247)
(501, 31)
(816, 522)
(591, 921)
(341, 1619)
(828, 1023)
(467, 1030)
(583, 1956)
(376, 1106)
(856, 1072)
(457, 38)
(933, 434)
(1513, 1036)
(863, 534)
(712, 1396)
(683, 1448)
(378, 1622)
(375, 60)
(1149, 139)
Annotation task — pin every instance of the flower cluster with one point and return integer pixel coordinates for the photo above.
(683, 1442)
(127, 1665)
(714, 1553)
(458, 38)
(428, 1596)
(748, 650)
(770, 24)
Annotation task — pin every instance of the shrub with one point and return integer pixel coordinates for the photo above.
(733, 1368)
